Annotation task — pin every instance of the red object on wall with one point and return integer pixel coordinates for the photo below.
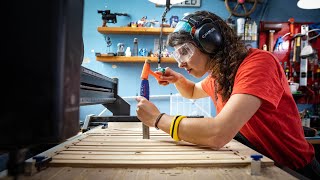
(310, 94)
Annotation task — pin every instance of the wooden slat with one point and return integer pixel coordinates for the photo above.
(153, 163)
(143, 157)
(135, 59)
(142, 153)
(106, 139)
(101, 143)
(134, 30)
(138, 150)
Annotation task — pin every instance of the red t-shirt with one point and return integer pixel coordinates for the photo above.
(275, 129)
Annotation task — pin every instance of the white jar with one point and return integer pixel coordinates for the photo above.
(128, 52)
(240, 26)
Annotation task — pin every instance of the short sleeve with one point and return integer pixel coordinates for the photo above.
(260, 75)
(207, 85)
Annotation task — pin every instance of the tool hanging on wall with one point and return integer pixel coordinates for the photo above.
(304, 61)
(278, 44)
(271, 28)
(292, 51)
(108, 17)
(294, 55)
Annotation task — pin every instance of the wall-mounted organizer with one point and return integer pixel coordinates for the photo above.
(133, 31)
(286, 40)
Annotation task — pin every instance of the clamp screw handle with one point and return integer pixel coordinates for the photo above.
(256, 157)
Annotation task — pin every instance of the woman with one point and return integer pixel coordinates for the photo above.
(248, 87)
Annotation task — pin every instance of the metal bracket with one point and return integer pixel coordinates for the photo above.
(86, 122)
(42, 162)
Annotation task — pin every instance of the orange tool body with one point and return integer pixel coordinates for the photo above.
(146, 70)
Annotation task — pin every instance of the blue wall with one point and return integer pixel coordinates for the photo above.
(129, 73)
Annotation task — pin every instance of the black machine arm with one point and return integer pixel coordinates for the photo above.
(108, 17)
(96, 88)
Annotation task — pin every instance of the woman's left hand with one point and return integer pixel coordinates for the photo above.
(147, 112)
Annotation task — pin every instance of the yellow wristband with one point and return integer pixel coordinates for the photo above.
(176, 128)
(172, 125)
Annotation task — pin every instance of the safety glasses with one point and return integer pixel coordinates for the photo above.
(184, 52)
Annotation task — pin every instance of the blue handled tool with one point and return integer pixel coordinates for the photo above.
(145, 91)
(278, 43)
(144, 88)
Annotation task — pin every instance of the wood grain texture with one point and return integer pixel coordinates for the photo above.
(177, 173)
(119, 152)
(111, 147)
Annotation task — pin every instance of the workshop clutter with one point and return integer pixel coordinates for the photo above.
(308, 119)
(135, 51)
(297, 46)
(108, 17)
(139, 27)
(246, 28)
(145, 22)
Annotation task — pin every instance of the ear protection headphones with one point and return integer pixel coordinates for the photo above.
(205, 33)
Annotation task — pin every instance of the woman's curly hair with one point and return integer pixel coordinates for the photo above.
(225, 62)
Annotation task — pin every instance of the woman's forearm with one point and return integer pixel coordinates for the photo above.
(185, 87)
(202, 131)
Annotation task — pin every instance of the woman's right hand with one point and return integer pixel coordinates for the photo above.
(169, 76)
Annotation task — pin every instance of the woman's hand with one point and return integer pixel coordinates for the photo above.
(170, 76)
(147, 112)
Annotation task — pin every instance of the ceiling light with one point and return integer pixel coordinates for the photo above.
(308, 4)
(163, 2)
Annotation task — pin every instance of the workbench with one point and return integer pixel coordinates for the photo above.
(119, 152)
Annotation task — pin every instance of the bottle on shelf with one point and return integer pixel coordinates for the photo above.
(248, 29)
(240, 27)
(254, 33)
(128, 52)
(135, 47)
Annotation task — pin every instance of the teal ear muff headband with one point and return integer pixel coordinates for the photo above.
(205, 33)
(184, 26)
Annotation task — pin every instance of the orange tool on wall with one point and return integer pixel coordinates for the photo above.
(291, 21)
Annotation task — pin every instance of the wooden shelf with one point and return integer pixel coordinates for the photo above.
(134, 30)
(132, 59)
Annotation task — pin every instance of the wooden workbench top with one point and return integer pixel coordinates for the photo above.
(119, 152)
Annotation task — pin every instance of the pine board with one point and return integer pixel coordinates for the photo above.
(119, 153)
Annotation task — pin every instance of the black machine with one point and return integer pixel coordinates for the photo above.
(96, 88)
(44, 47)
(108, 17)
(45, 84)
(42, 89)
